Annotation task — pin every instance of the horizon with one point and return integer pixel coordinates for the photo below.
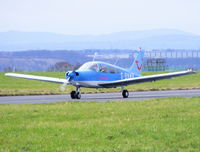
(102, 34)
(148, 39)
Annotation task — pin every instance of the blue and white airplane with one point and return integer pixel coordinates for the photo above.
(98, 74)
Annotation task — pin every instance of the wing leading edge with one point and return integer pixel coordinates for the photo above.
(40, 78)
(142, 79)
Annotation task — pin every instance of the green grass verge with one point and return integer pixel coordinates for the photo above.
(16, 86)
(169, 124)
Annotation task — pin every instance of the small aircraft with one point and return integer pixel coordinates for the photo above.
(98, 74)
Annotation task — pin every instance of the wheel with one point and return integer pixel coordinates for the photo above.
(73, 94)
(125, 93)
(78, 95)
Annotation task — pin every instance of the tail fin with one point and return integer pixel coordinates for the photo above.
(137, 65)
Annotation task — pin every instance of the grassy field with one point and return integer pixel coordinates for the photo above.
(16, 86)
(169, 125)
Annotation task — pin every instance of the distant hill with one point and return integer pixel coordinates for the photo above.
(38, 60)
(41, 60)
(148, 39)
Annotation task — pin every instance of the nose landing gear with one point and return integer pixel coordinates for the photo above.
(76, 94)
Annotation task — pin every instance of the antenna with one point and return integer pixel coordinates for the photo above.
(117, 59)
(95, 54)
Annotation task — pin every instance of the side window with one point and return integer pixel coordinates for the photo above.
(117, 71)
(103, 68)
(112, 70)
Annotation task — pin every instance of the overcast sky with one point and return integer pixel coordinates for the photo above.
(98, 16)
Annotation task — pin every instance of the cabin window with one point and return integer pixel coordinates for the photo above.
(112, 70)
(117, 71)
(103, 68)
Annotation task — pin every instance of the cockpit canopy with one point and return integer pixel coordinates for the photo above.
(89, 66)
(98, 67)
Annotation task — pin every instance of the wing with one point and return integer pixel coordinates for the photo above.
(142, 79)
(39, 78)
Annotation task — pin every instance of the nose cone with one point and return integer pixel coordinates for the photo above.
(71, 74)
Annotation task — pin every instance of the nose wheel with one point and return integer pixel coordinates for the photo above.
(76, 94)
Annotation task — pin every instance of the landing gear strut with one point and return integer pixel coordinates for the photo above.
(125, 93)
(76, 94)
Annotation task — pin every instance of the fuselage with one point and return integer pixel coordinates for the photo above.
(91, 74)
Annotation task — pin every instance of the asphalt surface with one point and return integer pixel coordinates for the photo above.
(99, 97)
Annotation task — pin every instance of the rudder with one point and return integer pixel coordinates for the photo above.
(137, 65)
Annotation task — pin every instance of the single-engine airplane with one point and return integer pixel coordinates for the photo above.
(98, 74)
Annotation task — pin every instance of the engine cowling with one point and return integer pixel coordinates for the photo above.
(71, 74)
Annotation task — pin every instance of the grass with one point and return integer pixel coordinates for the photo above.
(169, 124)
(16, 86)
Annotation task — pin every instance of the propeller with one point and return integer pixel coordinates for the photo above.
(63, 87)
(69, 75)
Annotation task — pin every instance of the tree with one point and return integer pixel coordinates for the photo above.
(12, 69)
(60, 67)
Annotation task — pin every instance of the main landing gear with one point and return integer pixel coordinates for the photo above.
(76, 94)
(125, 93)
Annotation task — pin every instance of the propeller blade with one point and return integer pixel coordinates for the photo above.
(64, 85)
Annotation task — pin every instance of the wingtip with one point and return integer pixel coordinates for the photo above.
(7, 74)
(10, 74)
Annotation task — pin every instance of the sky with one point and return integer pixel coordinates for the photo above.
(98, 16)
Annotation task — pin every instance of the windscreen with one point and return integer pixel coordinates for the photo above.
(89, 66)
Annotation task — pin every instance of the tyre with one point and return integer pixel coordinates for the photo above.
(125, 93)
(73, 94)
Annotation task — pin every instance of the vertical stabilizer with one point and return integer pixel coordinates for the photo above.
(137, 65)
